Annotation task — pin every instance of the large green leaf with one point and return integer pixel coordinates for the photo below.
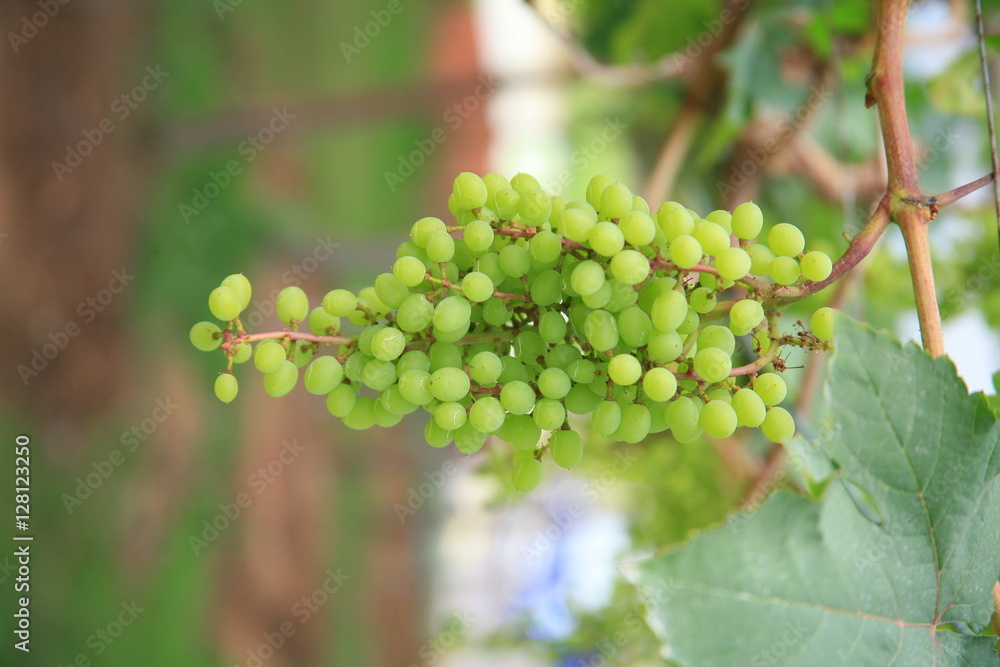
(895, 565)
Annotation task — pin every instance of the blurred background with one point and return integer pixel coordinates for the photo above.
(148, 149)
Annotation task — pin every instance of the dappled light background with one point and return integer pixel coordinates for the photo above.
(149, 149)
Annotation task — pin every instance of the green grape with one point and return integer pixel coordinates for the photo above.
(389, 290)
(226, 387)
(449, 384)
(713, 238)
(392, 401)
(630, 267)
(378, 374)
(414, 386)
(703, 300)
(606, 239)
(322, 375)
(225, 303)
(268, 356)
(496, 312)
(567, 448)
(341, 400)
(616, 201)
(552, 326)
(529, 346)
(690, 324)
(744, 316)
(507, 203)
(638, 228)
(771, 388)
(341, 303)
(546, 288)
(521, 431)
(622, 296)
(409, 271)
(761, 341)
(674, 220)
(685, 251)
(354, 365)
(477, 286)
(388, 344)
(527, 474)
(600, 298)
(470, 190)
(450, 416)
(750, 409)
(449, 335)
(577, 223)
(452, 313)
(239, 284)
(683, 418)
(535, 206)
(302, 354)
(323, 323)
(515, 260)
(282, 380)
(664, 347)
(486, 415)
(440, 247)
(582, 370)
(624, 369)
(206, 336)
(468, 440)
(366, 337)
(485, 367)
(822, 323)
(414, 314)
(422, 229)
(712, 364)
(242, 354)
(718, 337)
(659, 384)
(718, 419)
(524, 182)
(435, 436)
(760, 259)
(786, 240)
(722, 218)
(634, 326)
(635, 424)
(369, 298)
(784, 270)
(587, 278)
(513, 369)
(733, 263)
(549, 414)
(554, 383)
(601, 330)
(778, 426)
(384, 418)
(607, 417)
(747, 220)
(545, 247)
(581, 400)
(291, 304)
(669, 310)
(562, 355)
(478, 236)
(596, 187)
(489, 264)
(816, 265)
(640, 204)
(494, 184)
(362, 415)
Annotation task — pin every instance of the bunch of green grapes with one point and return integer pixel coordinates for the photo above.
(530, 308)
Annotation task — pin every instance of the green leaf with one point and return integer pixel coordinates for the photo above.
(903, 582)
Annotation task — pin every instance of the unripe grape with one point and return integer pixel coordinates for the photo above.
(377, 374)
(545, 247)
(435, 436)
(659, 384)
(674, 220)
(535, 206)
(712, 364)
(478, 236)
(683, 418)
(449, 384)
(784, 270)
(703, 300)
(778, 426)
(816, 265)
(616, 201)
(749, 407)
(291, 304)
(606, 238)
(414, 385)
(690, 324)
(323, 323)
(527, 474)
(624, 369)
(450, 416)
(341, 400)
(282, 380)
(664, 346)
(733, 263)
(722, 218)
(581, 400)
(341, 303)
(744, 316)
(452, 313)
(389, 290)
(440, 247)
(685, 251)
(822, 323)
(634, 326)
(523, 182)
(322, 375)
(577, 223)
(468, 440)
(206, 336)
(239, 284)
(514, 260)
(470, 190)
(226, 387)
(638, 228)
(496, 312)
(409, 271)
(477, 286)
(422, 229)
(760, 259)
(630, 267)
(713, 238)
(595, 189)
(639, 204)
(225, 303)
(486, 415)
(362, 415)
(747, 220)
(243, 353)
(388, 343)
(718, 337)
(600, 298)
(415, 313)
(552, 326)
(267, 357)
(601, 330)
(554, 383)
(517, 397)
(718, 419)
(494, 183)
(567, 448)
(635, 424)
(549, 414)
(587, 277)
(786, 240)
(771, 388)
(669, 310)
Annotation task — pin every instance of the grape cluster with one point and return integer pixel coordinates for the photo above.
(530, 308)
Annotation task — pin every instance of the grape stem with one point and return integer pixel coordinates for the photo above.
(444, 282)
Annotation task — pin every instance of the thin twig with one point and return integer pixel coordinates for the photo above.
(989, 111)
(953, 196)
